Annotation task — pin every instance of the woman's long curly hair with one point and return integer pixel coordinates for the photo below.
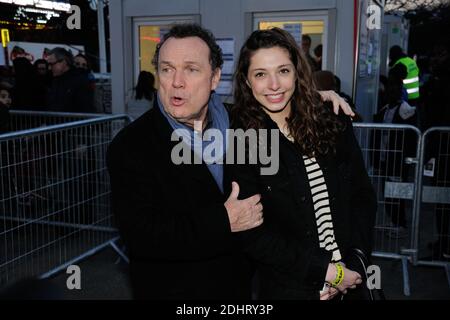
(312, 125)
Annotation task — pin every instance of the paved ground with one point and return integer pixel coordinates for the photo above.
(103, 279)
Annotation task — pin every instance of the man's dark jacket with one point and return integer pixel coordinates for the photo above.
(172, 219)
(71, 92)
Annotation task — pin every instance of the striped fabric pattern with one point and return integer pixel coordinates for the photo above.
(322, 208)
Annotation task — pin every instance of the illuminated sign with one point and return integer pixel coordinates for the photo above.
(42, 4)
(5, 37)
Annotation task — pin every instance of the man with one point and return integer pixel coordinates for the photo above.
(306, 47)
(406, 69)
(70, 89)
(176, 222)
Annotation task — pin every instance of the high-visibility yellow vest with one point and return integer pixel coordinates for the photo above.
(411, 83)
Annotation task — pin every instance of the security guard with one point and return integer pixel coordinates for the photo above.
(405, 68)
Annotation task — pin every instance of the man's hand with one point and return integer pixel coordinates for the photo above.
(243, 214)
(337, 101)
(329, 293)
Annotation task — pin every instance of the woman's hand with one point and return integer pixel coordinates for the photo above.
(337, 101)
(350, 281)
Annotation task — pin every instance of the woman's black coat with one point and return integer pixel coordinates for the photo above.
(291, 265)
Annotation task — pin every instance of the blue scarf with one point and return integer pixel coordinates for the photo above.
(217, 117)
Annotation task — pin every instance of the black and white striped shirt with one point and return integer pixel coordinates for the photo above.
(322, 209)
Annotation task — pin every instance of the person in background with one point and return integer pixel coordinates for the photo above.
(326, 80)
(81, 62)
(42, 68)
(70, 90)
(5, 104)
(318, 54)
(306, 47)
(405, 68)
(144, 95)
(43, 72)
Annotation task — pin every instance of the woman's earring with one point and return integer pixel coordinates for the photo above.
(248, 83)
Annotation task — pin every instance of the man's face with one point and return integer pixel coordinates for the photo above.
(58, 67)
(186, 79)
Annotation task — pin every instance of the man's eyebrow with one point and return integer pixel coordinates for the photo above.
(184, 62)
(192, 62)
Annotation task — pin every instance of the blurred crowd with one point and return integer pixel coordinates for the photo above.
(61, 83)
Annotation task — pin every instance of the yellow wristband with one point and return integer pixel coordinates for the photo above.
(339, 275)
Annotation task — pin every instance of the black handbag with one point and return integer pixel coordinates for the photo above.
(357, 260)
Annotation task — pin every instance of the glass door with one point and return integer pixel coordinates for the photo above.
(147, 34)
(311, 23)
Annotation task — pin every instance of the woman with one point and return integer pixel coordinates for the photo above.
(320, 203)
(80, 61)
(144, 97)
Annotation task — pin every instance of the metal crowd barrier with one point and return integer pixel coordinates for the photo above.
(24, 120)
(432, 234)
(55, 193)
(55, 197)
(391, 155)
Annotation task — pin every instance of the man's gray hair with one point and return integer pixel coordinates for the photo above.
(62, 54)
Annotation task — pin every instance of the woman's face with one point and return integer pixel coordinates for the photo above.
(5, 99)
(271, 77)
(80, 62)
